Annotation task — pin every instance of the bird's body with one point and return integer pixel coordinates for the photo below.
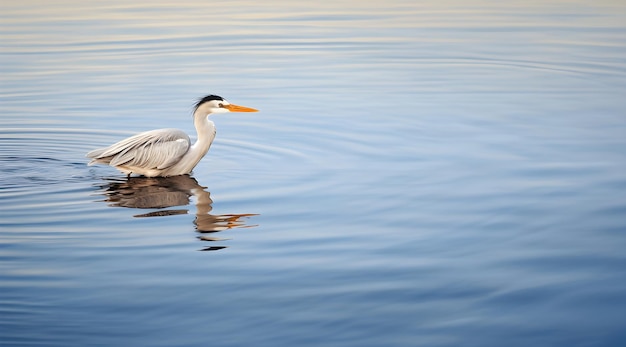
(166, 152)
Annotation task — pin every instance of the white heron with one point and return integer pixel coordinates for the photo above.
(166, 152)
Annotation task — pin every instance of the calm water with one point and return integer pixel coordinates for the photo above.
(420, 174)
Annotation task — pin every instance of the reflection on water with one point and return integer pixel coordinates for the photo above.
(162, 193)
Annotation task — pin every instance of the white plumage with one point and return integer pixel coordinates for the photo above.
(166, 152)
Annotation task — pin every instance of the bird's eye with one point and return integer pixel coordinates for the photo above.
(221, 105)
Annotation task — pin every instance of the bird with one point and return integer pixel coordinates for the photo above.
(166, 152)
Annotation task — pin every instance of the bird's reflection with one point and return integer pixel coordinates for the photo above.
(163, 193)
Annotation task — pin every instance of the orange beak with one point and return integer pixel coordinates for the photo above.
(237, 108)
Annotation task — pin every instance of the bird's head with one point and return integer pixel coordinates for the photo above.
(216, 104)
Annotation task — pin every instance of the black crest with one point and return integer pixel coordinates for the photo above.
(207, 99)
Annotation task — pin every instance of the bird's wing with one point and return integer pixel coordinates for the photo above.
(155, 149)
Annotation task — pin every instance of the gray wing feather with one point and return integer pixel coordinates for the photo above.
(158, 149)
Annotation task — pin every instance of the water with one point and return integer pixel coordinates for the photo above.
(420, 174)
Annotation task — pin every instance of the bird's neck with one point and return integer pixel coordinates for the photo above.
(205, 130)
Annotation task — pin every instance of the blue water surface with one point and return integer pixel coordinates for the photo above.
(420, 174)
